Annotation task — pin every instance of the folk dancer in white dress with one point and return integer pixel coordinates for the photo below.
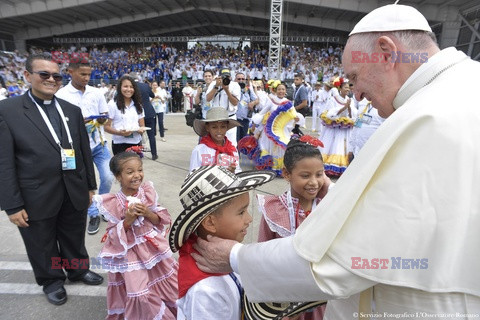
(338, 120)
(272, 139)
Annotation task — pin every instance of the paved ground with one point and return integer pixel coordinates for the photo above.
(21, 298)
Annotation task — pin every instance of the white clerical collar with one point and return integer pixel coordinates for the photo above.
(40, 101)
(428, 71)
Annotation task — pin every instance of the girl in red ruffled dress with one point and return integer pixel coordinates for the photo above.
(142, 275)
(281, 215)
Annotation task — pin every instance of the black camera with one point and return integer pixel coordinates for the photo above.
(226, 79)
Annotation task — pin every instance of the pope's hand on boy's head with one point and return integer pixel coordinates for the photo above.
(214, 254)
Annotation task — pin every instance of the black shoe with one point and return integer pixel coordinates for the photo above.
(57, 297)
(165, 129)
(155, 157)
(90, 278)
(93, 225)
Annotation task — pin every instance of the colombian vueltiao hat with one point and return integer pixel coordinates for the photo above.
(214, 115)
(204, 190)
(392, 17)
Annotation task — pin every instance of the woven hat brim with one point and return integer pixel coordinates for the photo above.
(189, 219)
(199, 125)
(276, 311)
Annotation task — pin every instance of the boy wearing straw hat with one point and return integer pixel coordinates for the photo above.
(214, 147)
(215, 202)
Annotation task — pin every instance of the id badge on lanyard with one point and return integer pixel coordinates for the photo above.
(68, 159)
(367, 119)
(358, 122)
(67, 156)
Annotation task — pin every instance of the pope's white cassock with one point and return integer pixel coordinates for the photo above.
(413, 192)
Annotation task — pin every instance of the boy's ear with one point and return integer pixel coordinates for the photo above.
(209, 224)
(286, 174)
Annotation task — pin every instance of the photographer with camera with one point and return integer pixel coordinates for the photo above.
(201, 96)
(225, 93)
(246, 106)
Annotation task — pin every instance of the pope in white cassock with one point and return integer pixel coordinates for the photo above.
(411, 197)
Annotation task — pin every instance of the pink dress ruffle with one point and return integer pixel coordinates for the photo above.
(275, 223)
(142, 277)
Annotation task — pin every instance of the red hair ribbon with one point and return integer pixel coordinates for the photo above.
(311, 141)
(338, 82)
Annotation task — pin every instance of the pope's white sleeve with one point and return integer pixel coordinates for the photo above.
(272, 271)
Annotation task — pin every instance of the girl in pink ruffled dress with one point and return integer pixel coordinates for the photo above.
(142, 275)
(283, 214)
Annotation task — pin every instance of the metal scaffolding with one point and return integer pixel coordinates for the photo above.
(288, 39)
(275, 48)
(474, 41)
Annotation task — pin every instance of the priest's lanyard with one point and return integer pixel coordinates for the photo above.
(49, 124)
(367, 109)
(240, 291)
(292, 214)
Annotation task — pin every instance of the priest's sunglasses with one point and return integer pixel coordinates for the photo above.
(46, 75)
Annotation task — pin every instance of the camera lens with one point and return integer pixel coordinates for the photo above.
(226, 81)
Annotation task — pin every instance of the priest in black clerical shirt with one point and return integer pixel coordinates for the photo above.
(44, 195)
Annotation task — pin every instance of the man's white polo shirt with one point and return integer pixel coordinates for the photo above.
(92, 102)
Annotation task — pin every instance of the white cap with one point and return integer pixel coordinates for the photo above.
(392, 17)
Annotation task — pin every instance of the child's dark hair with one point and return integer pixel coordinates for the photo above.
(117, 161)
(298, 150)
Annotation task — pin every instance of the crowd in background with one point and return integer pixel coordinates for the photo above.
(163, 62)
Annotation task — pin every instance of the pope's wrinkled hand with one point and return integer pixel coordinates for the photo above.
(214, 254)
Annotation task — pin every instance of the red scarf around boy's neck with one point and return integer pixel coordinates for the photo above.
(188, 272)
(227, 148)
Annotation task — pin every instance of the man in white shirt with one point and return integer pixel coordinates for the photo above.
(366, 124)
(225, 93)
(398, 235)
(93, 104)
(201, 95)
(317, 97)
(188, 95)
